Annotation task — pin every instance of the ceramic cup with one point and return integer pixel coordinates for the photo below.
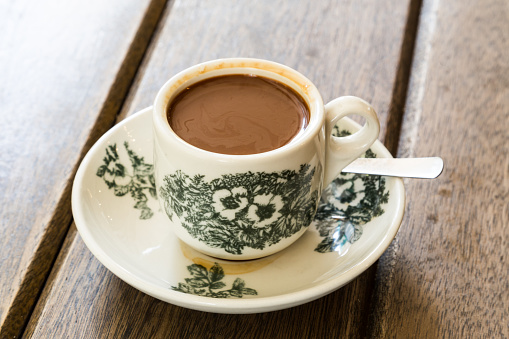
(241, 207)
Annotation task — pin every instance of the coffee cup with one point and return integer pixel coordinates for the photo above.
(250, 205)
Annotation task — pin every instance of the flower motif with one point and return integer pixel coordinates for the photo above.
(229, 202)
(249, 235)
(344, 193)
(265, 210)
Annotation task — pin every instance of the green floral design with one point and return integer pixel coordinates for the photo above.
(208, 283)
(116, 176)
(235, 211)
(253, 209)
(339, 220)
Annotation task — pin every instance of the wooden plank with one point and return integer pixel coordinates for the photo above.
(446, 275)
(350, 47)
(65, 68)
(94, 303)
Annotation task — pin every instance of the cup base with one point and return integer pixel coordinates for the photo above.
(248, 254)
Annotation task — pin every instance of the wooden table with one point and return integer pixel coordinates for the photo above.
(436, 71)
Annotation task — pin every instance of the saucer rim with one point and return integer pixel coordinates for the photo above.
(208, 304)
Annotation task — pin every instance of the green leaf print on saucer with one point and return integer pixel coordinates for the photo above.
(115, 174)
(349, 202)
(227, 214)
(241, 210)
(207, 283)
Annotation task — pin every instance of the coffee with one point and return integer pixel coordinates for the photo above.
(238, 114)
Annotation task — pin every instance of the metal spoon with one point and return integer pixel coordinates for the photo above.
(421, 168)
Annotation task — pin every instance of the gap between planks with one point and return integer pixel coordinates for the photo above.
(394, 124)
(18, 316)
(128, 82)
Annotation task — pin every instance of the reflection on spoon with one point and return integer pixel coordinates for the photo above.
(421, 168)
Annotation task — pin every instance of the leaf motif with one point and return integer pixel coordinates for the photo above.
(221, 294)
(146, 213)
(325, 246)
(111, 153)
(120, 170)
(348, 195)
(137, 194)
(197, 282)
(135, 160)
(370, 154)
(121, 190)
(238, 284)
(217, 285)
(249, 291)
(139, 181)
(101, 170)
(203, 214)
(235, 293)
(216, 273)
(372, 192)
(198, 271)
(144, 169)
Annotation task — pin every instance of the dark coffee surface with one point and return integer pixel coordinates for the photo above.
(238, 114)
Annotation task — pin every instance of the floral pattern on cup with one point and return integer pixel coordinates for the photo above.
(236, 211)
(265, 210)
(349, 202)
(229, 202)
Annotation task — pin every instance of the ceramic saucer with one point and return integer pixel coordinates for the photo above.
(116, 212)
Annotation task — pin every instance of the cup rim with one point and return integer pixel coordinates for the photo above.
(252, 66)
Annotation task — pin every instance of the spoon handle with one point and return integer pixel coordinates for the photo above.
(422, 168)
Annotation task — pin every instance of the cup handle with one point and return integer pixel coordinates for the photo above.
(341, 151)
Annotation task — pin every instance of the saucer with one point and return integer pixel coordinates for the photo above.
(117, 214)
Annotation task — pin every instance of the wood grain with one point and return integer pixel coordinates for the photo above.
(446, 276)
(98, 304)
(65, 68)
(346, 47)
